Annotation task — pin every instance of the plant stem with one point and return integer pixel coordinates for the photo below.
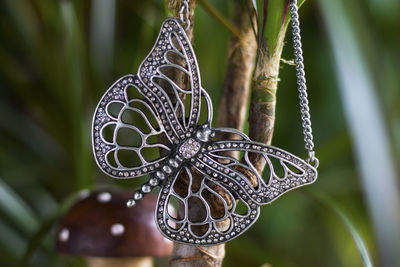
(210, 9)
(240, 64)
(264, 87)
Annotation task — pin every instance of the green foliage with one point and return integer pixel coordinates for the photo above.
(51, 78)
(352, 229)
(272, 19)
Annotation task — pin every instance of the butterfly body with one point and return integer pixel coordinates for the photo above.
(196, 167)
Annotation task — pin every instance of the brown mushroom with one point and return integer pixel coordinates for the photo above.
(101, 227)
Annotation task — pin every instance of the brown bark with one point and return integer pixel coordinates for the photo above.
(240, 63)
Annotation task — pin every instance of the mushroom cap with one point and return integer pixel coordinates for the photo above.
(101, 225)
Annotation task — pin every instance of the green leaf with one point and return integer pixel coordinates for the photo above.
(75, 82)
(356, 236)
(15, 208)
(273, 26)
(273, 21)
(11, 242)
(366, 121)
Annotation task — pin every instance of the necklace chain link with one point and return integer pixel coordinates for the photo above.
(184, 14)
(301, 82)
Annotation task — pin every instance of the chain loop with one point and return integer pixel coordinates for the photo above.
(184, 14)
(302, 88)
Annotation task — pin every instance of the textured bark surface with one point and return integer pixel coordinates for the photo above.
(239, 67)
(263, 97)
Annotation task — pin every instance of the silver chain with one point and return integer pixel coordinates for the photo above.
(301, 81)
(184, 14)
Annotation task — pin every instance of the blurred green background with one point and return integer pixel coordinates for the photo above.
(58, 57)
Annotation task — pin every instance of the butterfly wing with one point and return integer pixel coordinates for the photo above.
(283, 171)
(170, 64)
(218, 215)
(175, 109)
(126, 130)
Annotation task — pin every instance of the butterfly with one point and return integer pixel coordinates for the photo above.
(151, 113)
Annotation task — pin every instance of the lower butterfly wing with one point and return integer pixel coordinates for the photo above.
(126, 131)
(208, 214)
(283, 171)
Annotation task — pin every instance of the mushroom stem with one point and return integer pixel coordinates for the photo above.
(119, 262)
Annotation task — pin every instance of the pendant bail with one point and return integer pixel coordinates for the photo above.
(312, 159)
(184, 14)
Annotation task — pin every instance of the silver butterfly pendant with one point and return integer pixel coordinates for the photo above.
(159, 117)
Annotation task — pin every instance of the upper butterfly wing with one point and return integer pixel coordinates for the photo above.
(126, 130)
(170, 64)
(283, 171)
(209, 213)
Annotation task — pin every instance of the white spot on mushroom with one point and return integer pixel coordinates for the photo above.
(117, 229)
(104, 197)
(63, 235)
(84, 194)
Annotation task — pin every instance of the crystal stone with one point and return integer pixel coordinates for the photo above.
(137, 195)
(130, 203)
(189, 148)
(146, 188)
(153, 182)
(203, 135)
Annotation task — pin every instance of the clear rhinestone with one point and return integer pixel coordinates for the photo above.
(137, 195)
(167, 169)
(203, 135)
(189, 148)
(160, 175)
(146, 188)
(173, 163)
(153, 182)
(131, 203)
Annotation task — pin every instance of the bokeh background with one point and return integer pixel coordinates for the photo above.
(58, 57)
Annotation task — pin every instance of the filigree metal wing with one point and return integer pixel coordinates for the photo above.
(219, 215)
(126, 130)
(283, 171)
(170, 64)
(175, 110)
